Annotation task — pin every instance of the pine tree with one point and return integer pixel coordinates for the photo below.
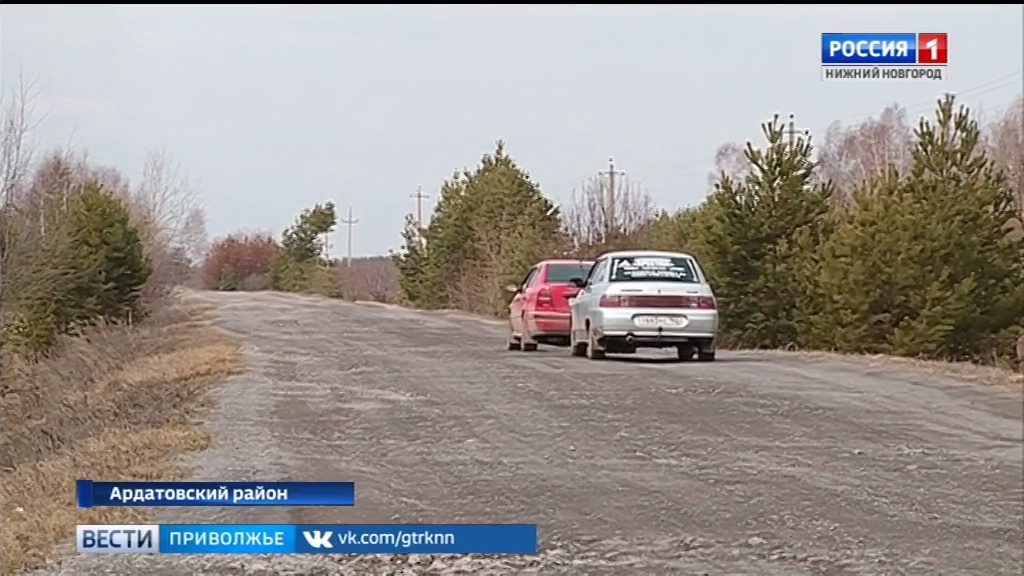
(107, 270)
(411, 262)
(449, 244)
(969, 194)
(304, 240)
(673, 232)
(750, 238)
(513, 224)
(491, 224)
(302, 246)
(862, 270)
(923, 265)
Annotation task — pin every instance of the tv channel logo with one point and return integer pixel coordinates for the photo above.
(117, 538)
(885, 49)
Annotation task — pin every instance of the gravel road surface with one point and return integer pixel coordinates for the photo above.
(761, 463)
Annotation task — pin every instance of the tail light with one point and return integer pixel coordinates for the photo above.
(706, 303)
(544, 294)
(607, 301)
(657, 301)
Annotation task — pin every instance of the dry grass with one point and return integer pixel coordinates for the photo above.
(120, 403)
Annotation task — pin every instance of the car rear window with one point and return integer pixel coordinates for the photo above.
(562, 273)
(653, 269)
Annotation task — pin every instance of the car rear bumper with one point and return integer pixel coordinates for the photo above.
(628, 342)
(549, 323)
(620, 325)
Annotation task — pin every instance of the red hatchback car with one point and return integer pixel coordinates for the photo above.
(539, 311)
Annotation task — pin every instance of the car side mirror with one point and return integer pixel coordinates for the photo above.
(512, 288)
(578, 282)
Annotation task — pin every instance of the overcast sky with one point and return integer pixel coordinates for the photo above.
(274, 108)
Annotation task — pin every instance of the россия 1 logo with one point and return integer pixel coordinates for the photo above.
(884, 56)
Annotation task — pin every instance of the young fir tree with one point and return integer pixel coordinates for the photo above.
(490, 225)
(673, 232)
(924, 265)
(749, 238)
(449, 248)
(411, 261)
(302, 246)
(514, 225)
(865, 277)
(113, 262)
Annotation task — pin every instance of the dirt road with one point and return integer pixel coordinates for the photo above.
(757, 464)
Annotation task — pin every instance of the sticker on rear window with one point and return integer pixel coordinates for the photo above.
(653, 268)
(651, 262)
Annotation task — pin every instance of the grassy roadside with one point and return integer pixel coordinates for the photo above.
(963, 371)
(121, 403)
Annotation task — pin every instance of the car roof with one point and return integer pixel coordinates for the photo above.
(654, 253)
(566, 261)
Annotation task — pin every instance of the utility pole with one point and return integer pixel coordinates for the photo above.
(610, 199)
(350, 222)
(327, 247)
(792, 132)
(420, 197)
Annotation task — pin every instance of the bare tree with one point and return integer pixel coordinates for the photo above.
(17, 120)
(586, 216)
(730, 159)
(374, 278)
(166, 197)
(170, 217)
(193, 238)
(1004, 141)
(851, 155)
(17, 113)
(111, 179)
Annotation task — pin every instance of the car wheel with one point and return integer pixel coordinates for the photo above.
(526, 343)
(576, 348)
(513, 342)
(708, 356)
(686, 353)
(593, 352)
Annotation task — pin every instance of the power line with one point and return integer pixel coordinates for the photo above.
(349, 222)
(987, 87)
(1003, 105)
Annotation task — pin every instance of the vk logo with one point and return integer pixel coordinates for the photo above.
(318, 539)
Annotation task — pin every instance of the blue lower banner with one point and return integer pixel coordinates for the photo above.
(307, 539)
(91, 493)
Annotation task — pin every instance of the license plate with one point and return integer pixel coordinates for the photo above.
(660, 321)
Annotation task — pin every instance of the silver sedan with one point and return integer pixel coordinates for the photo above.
(644, 299)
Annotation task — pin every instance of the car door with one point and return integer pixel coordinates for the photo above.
(584, 300)
(518, 304)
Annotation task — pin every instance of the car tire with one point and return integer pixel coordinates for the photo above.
(708, 356)
(685, 353)
(578, 349)
(593, 352)
(513, 344)
(526, 343)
